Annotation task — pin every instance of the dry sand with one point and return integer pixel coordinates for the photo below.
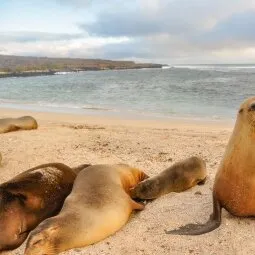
(150, 145)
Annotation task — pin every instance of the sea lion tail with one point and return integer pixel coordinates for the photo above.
(77, 169)
(199, 229)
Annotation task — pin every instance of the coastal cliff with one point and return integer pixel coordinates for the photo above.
(19, 66)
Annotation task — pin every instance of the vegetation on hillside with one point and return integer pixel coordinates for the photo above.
(18, 64)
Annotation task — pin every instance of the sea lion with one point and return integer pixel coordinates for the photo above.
(14, 124)
(98, 206)
(177, 178)
(234, 184)
(31, 197)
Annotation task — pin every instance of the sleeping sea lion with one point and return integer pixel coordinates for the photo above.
(31, 197)
(234, 185)
(177, 178)
(98, 206)
(14, 124)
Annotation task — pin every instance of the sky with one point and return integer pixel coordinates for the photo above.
(159, 31)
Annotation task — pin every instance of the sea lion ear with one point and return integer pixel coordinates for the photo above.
(241, 110)
(146, 176)
(54, 228)
(143, 176)
(131, 191)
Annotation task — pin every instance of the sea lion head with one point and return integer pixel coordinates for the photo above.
(246, 112)
(44, 239)
(12, 221)
(195, 170)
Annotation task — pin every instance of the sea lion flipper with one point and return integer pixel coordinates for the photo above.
(202, 182)
(13, 127)
(137, 206)
(195, 229)
(199, 229)
(77, 169)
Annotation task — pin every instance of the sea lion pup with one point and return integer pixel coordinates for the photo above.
(179, 177)
(234, 184)
(31, 197)
(98, 206)
(14, 124)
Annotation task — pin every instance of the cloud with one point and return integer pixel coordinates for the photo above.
(83, 48)
(233, 33)
(147, 17)
(117, 25)
(134, 21)
(79, 3)
(24, 36)
(167, 31)
(171, 30)
(179, 53)
(238, 27)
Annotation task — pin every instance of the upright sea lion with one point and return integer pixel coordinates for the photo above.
(98, 206)
(179, 177)
(31, 197)
(234, 185)
(14, 124)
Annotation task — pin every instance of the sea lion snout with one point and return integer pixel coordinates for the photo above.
(43, 241)
(146, 189)
(12, 222)
(11, 238)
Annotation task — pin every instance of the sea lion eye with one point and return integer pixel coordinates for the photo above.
(252, 107)
(38, 241)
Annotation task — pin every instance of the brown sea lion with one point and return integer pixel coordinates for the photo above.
(14, 124)
(98, 206)
(234, 185)
(31, 197)
(177, 178)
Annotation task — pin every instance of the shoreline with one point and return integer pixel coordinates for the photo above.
(110, 112)
(60, 72)
(119, 120)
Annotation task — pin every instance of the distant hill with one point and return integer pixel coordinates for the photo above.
(26, 66)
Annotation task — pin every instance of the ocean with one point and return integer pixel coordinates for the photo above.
(206, 92)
